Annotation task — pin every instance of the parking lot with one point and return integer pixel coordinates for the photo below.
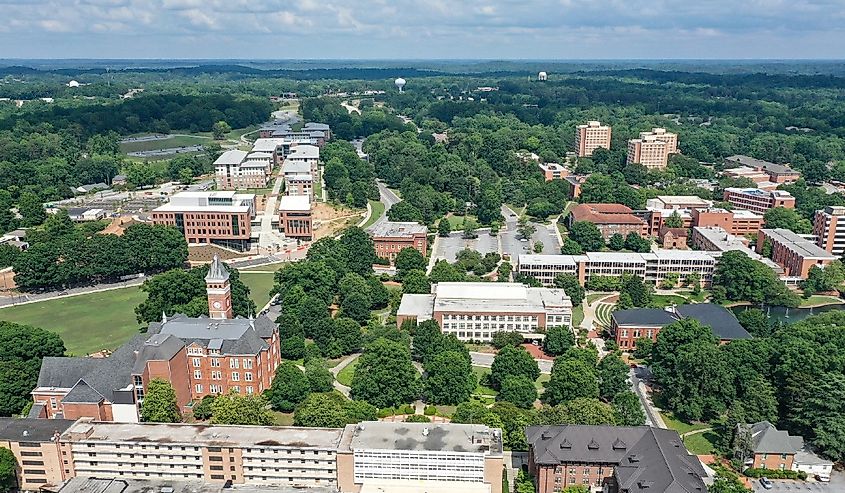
(448, 248)
(511, 244)
(836, 485)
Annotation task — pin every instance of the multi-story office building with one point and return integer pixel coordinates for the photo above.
(652, 266)
(697, 212)
(759, 201)
(776, 173)
(455, 456)
(590, 137)
(389, 238)
(553, 171)
(796, 254)
(475, 311)
(198, 356)
(256, 455)
(609, 218)
(220, 218)
(36, 449)
(295, 219)
(613, 459)
(829, 228)
(236, 169)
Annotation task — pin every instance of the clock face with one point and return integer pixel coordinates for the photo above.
(217, 304)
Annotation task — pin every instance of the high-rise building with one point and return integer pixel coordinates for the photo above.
(652, 149)
(661, 134)
(829, 228)
(236, 169)
(590, 137)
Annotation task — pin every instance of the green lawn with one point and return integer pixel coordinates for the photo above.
(544, 377)
(820, 300)
(345, 375)
(680, 426)
(663, 300)
(282, 419)
(259, 284)
(701, 443)
(603, 312)
(378, 211)
(151, 145)
(595, 296)
(266, 268)
(87, 323)
(698, 298)
(457, 222)
(577, 315)
(480, 372)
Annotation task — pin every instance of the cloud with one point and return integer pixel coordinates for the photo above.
(422, 28)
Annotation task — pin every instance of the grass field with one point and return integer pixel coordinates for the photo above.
(283, 419)
(595, 296)
(820, 300)
(603, 312)
(680, 426)
(87, 323)
(697, 298)
(152, 145)
(260, 284)
(457, 222)
(663, 300)
(577, 315)
(701, 443)
(344, 376)
(378, 211)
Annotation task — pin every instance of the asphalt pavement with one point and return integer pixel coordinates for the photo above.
(486, 360)
(448, 248)
(836, 485)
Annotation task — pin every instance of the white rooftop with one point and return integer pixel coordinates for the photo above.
(304, 151)
(295, 167)
(295, 203)
(267, 144)
(232, 156)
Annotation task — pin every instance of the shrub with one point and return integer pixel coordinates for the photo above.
(417, 418)
(774, 474)
(387, 411)
(406, 409)
(430, 410)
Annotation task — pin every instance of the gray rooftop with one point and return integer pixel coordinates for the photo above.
(216, 435)
(448, 437)
(125, 485)
(723, 323)
(238, 334)
(766, 439)
(31, 429)
(420, 306)
(295, 167)
(645, 459)
(798, 244)
(390, 229)
(759, 163)
(217, 271)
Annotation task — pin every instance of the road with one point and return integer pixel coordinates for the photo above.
(652, 417)
(486, 360)
(387, 197)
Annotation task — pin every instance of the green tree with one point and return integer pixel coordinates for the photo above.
(470, 228)
(357, 307)
(443, 271)
(755, 322)
(416, 282)
(525, 228)
(570, 285)
(444, 228)
(571, 247)
(503, 273)
(587, 235)
(385, 376)
(291, 337)
(511, 361)
(361, 250)
(31, 209)
(324, 410)
(781, 217)
(741, 278)
(727, 482)
(627, 409)
(504, 338)
(8, 471)
(409, 259)
(320, 379)
(160, 404)
(202, 409)
(237, 409)
(613, 376)
(643, 349)
(616, 242)
(637, 243)
(570, 379)
(674, 220)
(519, 391)
(220, 129)
(580, 411)
(290, 387)
(448, 378)
(426, 341)
(558, 340)
(538, 247)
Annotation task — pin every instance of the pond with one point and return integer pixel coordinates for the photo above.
(791, 315)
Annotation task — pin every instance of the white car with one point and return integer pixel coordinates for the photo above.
(824, 478)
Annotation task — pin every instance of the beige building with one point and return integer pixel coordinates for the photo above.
(239, 170)
(34, 445)
(590, 137)
(671, 139)
(652, 149)
(829, 228)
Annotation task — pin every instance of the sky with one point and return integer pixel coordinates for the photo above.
(423, 29)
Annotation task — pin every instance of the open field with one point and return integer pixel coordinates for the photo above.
(87, 323)
(595, 296)
(260, 284)
(701, 443)
(457, 222)
(680, 426)
(663, 300)
(378, 211)
(603, 313)
(820, 300)
(154, 145)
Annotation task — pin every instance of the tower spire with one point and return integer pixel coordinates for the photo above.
(219, 291)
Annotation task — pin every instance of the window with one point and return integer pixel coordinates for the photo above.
(215, 362)
(236, 377)
(249, 390)
(248, 376)
(197, 375)
(198, 388)
(236, 389)
(196, 362)
(233, 363)
(247, 363)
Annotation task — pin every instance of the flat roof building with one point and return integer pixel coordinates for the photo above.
(652, 149)
(295, 217)
(389, 238)
(796, 254)
(590, 137)
(220, 218)
(34, 444)
(474, 311)
(759, 201)
(829, 228)
(777, 173)
(552, 171)
(236, 169)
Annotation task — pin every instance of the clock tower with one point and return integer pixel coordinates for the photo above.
(218, 289)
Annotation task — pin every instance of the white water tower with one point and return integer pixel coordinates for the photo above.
(542, 76)
(400, 83)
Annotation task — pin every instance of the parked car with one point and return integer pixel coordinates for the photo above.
(766, 483)
(824, 478)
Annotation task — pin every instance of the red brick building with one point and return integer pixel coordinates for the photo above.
(295, 217)
(759, 201)
(390, 238)
(609, 218)
(770, 448)
(219, 218)
(797, 255)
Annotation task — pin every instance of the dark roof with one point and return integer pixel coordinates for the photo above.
(723, 323)
(643, 317)
(82, 392)
(767, 439)
(238, 335)
(265, 327)
(32, 429)
(63, 372)
(159, 347)
(646, 459)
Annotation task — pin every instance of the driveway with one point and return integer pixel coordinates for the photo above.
(448, 248)
(513, 246)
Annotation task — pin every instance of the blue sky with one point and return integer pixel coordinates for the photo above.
(365, 29)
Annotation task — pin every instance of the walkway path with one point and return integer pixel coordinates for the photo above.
(343, 389)
(268, 238)
(652, 416)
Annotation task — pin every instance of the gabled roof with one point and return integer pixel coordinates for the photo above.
(723, 323)
(159, 347)
(217, 272)
(766, 439)
(82, 392)
(643, 317)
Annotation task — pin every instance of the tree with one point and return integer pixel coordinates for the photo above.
(727, 482)
(416, 282)
(220, 129)
(637, 243)
(202, 409)
(409, 259)
(320, 379)
(511, 361)
(519, 391)
(291, 337)
(347, 335)
(570, 380)
(8, 471)
(22, 347)
(674, 220)
(558, 340)
(613, 376)
(538, 247)
(324, 410)
(443, 271)
(571, 247)
(426, 340)
(580, 411)
(237, 409)
(31, 209)
(160, 404)
(741, 278)
(627, 408)
(470, 228)
(504, 338)
(643, 349)
(525, 228)
(781, 217)
(385, 376)
(503, 273)
(357, 307)
(587, 235)
(444, 228)
(290, 387)
(570, 285)
(755, 321)
(616, 242)
(448, 378)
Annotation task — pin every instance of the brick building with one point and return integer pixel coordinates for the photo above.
(474, 311)
(590, 137)
(198, 356)
(652, 149)
(389, 238)
(829, 228)
(776, 173)
(797, 255)
(552, 171)
(609, 219)
(218, 218)
(614, 459)
(770, 448)
(295, 217)
(759, 201)
(37, 451)
(673, 238)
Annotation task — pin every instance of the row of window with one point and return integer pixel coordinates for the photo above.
(234, 363)
(218, 389)
(492, 318)
(217, 375)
